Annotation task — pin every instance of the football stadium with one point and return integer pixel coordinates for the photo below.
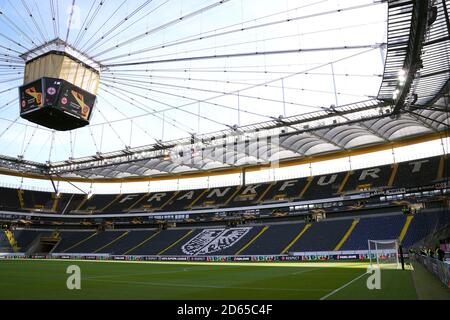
(224, 150)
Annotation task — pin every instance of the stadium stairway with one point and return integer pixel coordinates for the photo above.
(405, 228)
(177, 249)
(106, 248)
(78, 243)
(176, 242)
(5, 244)
(322, 236)
(140, 243)
(273, 240)
(20, 197)
(386, 227)
(69, 239)
(422, 225)
(252, 240)
(159, 242)
(25, 238)
(125, 242)
(346, 235)
(297, 237)
(98, 241)
(238, 245)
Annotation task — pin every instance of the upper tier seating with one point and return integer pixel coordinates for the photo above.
(183, 200)
(417, 172)
(97, 202)
(124, 202)
(324, 186)
(406, 174)
(285, 190)
(364, 179)
(250, 194)
(68, 202)
(9, 199)
(38, 200)
(215, 197)
(153, 201)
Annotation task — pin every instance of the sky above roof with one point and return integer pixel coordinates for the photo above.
(176, 67)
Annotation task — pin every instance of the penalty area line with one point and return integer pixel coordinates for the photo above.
(342, 287)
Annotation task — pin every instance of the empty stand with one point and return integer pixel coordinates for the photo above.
(25, 238)
(326, 235)
(9, 199)
(285, 190)
(38, 200)
(124, 202)
(97, 202)
(96, 242)
(153, 201)
(177, 249)
(423, 224)
(374, 228)
(68, 202)
(274, 239)
(406, 174)
(365, 179)
(4, 243)
(183, 200)
(216, 197)
(160, 242)
(417, 173)
(322, 236)
(250, 194)
(325, 186)
(129, 241)
(70, 238)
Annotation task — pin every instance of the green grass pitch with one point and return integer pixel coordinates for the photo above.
(39, 279)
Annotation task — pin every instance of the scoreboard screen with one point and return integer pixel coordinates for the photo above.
(31, 96)
(56, 104)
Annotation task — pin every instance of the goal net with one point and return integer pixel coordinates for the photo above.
(384, 253)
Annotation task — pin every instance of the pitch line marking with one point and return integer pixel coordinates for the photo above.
(342, 287)
(166, 284)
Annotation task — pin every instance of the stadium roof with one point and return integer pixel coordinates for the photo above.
(411, 102)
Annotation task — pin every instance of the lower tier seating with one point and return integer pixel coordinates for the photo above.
(25, 238)
(160, 242)
(4, 243)
(423, 224)
(268, 239)
(322, 236)
(95, 243)
(275, 239)
(129, 241)
(374, 228)
(70, 239)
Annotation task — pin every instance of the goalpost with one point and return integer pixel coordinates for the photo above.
(384, 253)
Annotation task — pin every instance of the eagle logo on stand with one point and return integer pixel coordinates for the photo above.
(214, 240)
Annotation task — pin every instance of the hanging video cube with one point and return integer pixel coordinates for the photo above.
(59, 90)
(56, 104)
